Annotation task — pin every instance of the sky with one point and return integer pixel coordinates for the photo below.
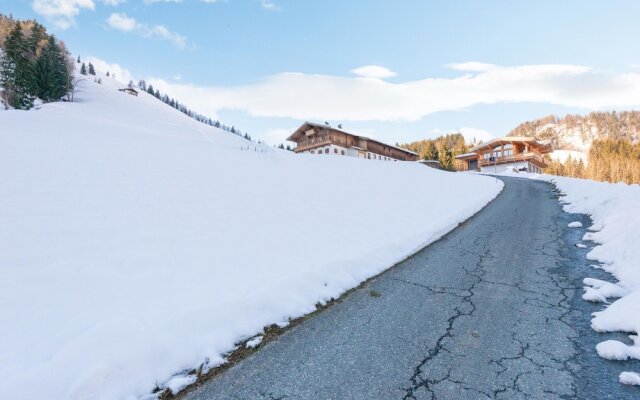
(397, 71)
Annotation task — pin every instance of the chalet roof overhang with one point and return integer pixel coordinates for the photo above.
(542, 147)
(467, 156)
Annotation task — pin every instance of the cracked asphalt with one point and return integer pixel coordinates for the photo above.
(492, 310)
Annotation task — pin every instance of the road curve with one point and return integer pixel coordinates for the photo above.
(492, 310)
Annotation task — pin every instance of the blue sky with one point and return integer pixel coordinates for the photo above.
(440, 66)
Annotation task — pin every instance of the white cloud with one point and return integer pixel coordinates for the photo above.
(475, 135)
(113, 2)
(269, 5)
(373, 71)
(161, 1)
(472, 66)
(61, 13)
(324, 97)
(122, 22)
(121, 74)
(276, 136)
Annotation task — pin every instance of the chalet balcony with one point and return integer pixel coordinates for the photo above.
(536, 158)
(318, 140)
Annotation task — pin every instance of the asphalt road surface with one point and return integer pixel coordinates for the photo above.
(492, 310)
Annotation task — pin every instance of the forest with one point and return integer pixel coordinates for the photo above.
(33, 65)
(444, 149)
(609, 160)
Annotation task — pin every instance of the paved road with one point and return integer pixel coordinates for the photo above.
(490, 311)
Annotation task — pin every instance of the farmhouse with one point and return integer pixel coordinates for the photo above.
(323, 139)
(129, 90)
(507, 154)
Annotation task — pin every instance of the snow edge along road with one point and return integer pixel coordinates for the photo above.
(195, 378)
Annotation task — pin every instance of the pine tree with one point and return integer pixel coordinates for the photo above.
(150, 90)
(51, 72)
(35, 41)
(7, 79)
(79, 60)
(92, 70)
(16, 71)
(107, 73)
(83, 69)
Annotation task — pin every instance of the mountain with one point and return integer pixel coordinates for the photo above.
(575, 133)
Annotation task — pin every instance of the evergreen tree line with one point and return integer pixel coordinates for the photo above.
(282, 147)
(609, 160)
(444, 149)
(33, 65)
(142, 85)
(90, 70)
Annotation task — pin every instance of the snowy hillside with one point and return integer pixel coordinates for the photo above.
(575, 133)
(137, 243)
(563, 155)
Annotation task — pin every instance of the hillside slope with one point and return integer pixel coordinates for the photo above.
(577, 132)
(137, 243)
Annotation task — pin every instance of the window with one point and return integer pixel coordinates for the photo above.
(335, 151)
(369, 156)
(326, 151)
(508, 153)
(342, 152)
(313, 152)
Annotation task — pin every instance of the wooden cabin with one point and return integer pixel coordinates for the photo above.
(313, 138)
(507, 154)
(129, 90)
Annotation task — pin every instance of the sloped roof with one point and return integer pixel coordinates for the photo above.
(307, 125)
(543, 147)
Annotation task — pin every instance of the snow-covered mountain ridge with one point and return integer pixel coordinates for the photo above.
(137, 243)
(577, 132)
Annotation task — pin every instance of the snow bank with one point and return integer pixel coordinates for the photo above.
(630, 378)
(137, 244)
(615, 211)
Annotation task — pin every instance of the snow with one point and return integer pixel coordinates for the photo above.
(137, 243)
(255, 342)
(179, 382)
(599, 291)
(581, 245)
(616, 350)
(615, 211)
(630, 378)
(563, 155)
(575, 224)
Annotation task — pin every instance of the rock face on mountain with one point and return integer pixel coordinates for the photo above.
(577, 132)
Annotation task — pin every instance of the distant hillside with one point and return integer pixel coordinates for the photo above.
(577, 132)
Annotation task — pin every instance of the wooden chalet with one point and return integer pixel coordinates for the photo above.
(129, 90)
(314, 138)
(511, 153)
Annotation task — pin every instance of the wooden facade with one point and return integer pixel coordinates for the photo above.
(323, 139)
(519, 153)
